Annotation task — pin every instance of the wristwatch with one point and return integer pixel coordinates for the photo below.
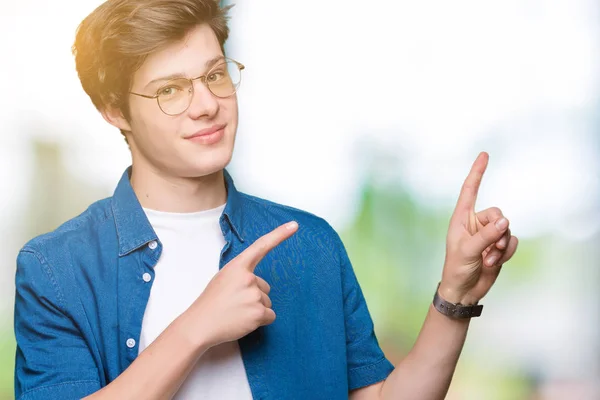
(455, 311)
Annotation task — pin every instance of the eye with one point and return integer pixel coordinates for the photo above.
(215, 76)
(169, 91)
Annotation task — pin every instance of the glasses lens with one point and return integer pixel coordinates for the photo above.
(224, 79)
(174, 97)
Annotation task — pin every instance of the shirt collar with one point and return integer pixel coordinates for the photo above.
(134, 229)
(234, 207)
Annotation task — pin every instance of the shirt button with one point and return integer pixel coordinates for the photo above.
(147, 277)
(130, 343)
(152, 245)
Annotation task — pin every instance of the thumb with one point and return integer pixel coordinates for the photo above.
(487, 235)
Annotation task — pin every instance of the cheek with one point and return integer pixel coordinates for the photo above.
(152, 126)
(230, 109)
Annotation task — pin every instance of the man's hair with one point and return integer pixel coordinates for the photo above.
(114, 40)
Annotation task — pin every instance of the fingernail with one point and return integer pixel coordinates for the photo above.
(491, 260)
(291, 225)
(502, 223)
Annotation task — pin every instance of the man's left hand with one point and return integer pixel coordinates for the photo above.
(477, 245)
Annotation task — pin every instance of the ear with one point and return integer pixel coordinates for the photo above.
(115, 117)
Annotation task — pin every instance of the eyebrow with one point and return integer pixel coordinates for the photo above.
(207, 65)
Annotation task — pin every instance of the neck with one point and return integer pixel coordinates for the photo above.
(160, 192)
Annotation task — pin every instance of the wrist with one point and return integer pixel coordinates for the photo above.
(197, 340)
(454, 308)
(456, 296)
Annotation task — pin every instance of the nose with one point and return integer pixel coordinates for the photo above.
(204, 104)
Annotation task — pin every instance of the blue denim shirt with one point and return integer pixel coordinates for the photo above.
(80, 300)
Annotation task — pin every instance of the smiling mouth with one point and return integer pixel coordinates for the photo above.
(207, 132)
(208, 136)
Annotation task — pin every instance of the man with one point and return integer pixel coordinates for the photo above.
(179, 285)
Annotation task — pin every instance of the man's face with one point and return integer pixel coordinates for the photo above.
(163, 142)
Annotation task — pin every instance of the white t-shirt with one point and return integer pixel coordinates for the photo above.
(192, 244)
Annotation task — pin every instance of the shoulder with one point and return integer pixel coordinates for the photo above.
(78, 235)
(265, 215)
(281, 213)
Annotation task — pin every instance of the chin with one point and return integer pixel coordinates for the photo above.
(208, 164)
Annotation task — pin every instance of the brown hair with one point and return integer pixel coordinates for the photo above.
(114, 40)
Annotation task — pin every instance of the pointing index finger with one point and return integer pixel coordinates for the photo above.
(263, 245)
(470, 188)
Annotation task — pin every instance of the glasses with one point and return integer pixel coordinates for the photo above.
(175, 96)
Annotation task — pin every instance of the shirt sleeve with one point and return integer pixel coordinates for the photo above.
(366, 361)
(52, 360)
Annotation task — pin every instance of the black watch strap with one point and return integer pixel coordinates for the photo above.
(456, 311)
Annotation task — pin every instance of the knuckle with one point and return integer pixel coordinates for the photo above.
(263, 244)
(263, 285)
(248, 279)
(268, 301)
(495, 252)
(257, 296)
(495, 211)
(473, 183)
(490, 232)
(468, 186)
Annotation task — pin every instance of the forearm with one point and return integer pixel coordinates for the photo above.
(426, 372)
(159, 371)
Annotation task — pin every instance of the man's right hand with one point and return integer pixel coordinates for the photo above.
(236, 301)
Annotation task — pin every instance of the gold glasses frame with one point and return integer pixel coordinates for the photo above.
(202, 78)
